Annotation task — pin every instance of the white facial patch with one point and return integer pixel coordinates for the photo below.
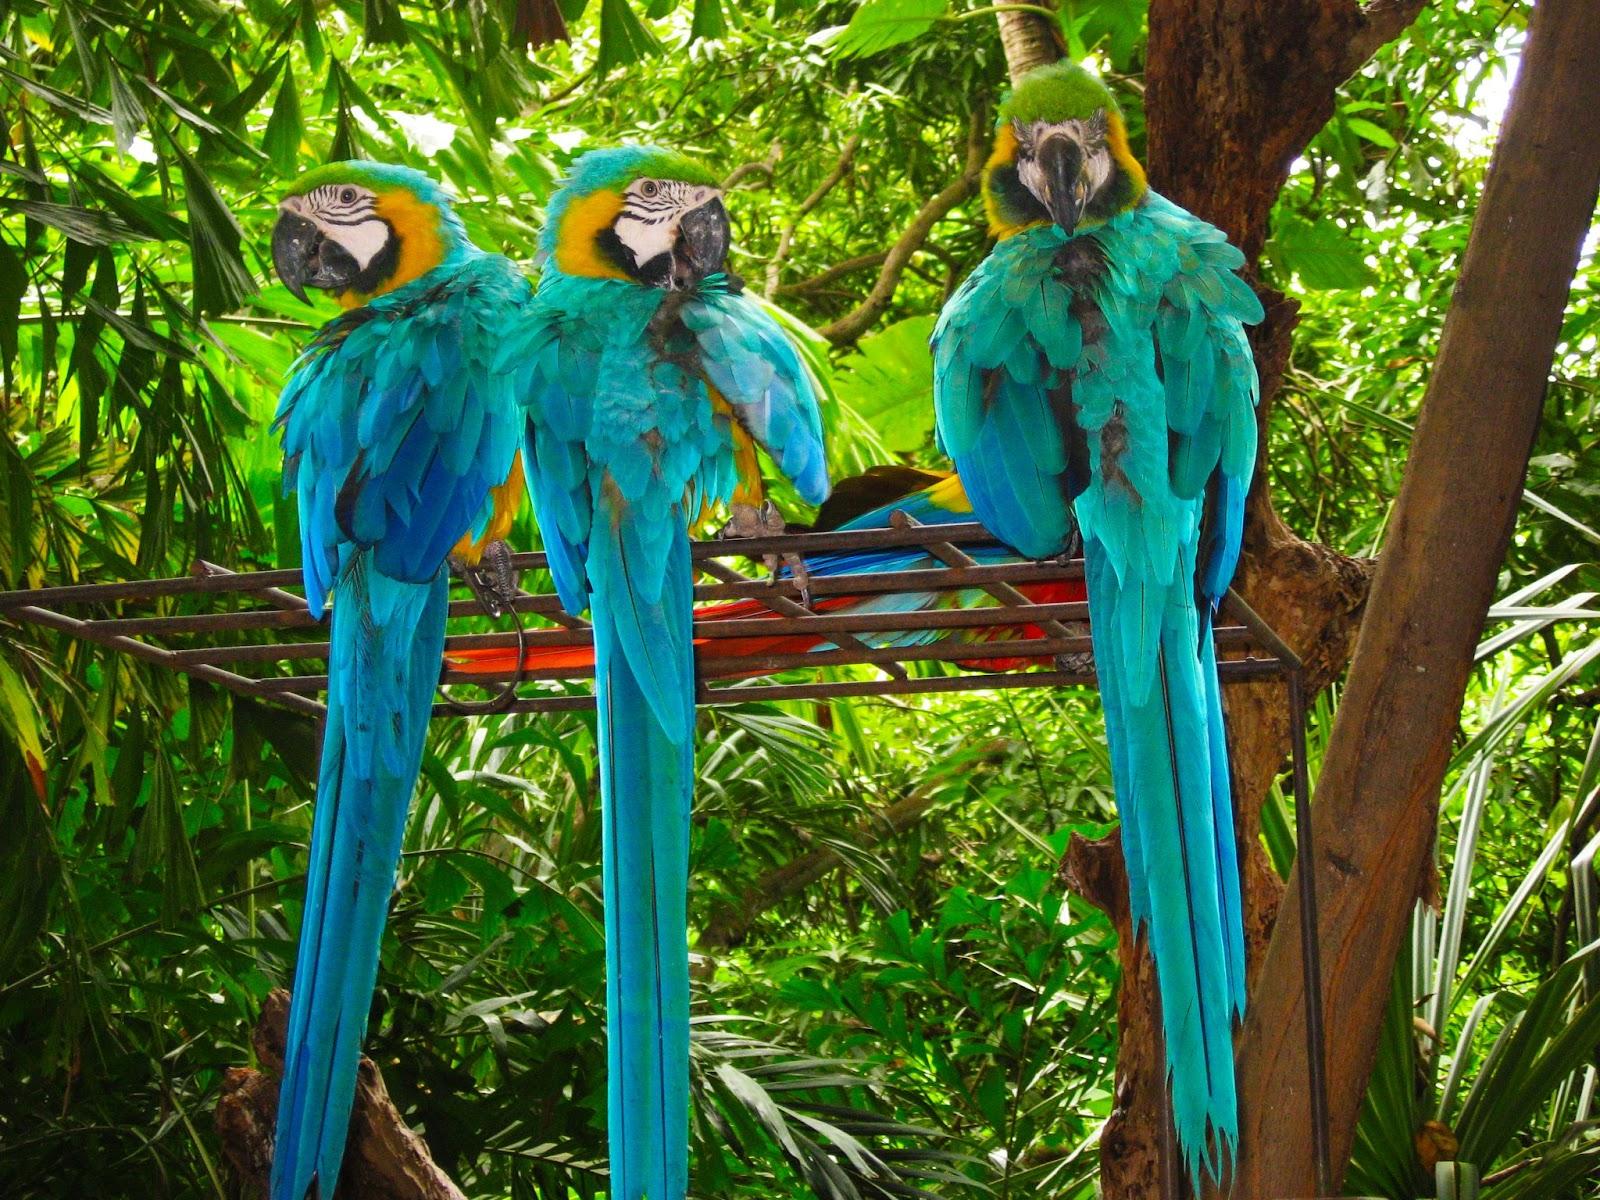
(1092, 138)
(651, 210)
(346, 214)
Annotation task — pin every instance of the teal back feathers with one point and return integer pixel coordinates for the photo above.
(1104, 381)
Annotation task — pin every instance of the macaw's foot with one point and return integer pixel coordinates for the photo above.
(1081, 663)
(493, 579)
(748, 521)
(1072, 550)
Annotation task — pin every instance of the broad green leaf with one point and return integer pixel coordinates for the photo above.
(888, 381)
(880, 24)
(285, 128)
(623, 37)
(1321, 254)
(21, 720)
(221, 280)
(1376, 134)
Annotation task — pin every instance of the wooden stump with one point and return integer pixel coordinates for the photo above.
(384, 1158)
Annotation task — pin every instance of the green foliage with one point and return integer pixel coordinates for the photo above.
(932, 1013)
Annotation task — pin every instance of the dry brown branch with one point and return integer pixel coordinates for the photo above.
(1376, 806)
(384, 1158)
(853, 324)
(841, 168)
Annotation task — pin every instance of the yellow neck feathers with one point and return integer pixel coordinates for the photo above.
(422, 248)
(576, 250)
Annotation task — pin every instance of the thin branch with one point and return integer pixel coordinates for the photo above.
(763, 168)
(838, 271)
(853, 324)
(786, 239)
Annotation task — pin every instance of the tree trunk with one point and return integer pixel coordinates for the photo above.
(384, 1158)
(1030, 40)
(1378, 793)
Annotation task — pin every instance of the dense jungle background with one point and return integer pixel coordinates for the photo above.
(896, 991)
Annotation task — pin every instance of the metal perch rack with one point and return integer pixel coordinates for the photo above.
(251, 633)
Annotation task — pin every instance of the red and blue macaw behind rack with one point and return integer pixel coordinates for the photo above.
(1092, 378)
(649, 378)
(930, 498)
(400, 444)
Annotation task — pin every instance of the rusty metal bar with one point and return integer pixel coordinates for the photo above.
(1001, 591)
(163, 658)
(832, 541)
(275, 595)
(787, 608)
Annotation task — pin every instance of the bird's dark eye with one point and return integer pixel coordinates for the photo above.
(649, 188)
(347, 196)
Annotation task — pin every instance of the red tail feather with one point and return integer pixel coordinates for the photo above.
(709, 650)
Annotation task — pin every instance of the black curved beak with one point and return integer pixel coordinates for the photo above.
(304, 258)
(1060, 161)
(702, 245)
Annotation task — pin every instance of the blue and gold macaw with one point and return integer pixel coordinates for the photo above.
(649, 378)
(1092, 378)
(400, 443)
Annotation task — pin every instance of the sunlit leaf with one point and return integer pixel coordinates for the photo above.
(880, 24)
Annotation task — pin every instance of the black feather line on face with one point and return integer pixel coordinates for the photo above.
(382, 267)
(656, 272)
(1012, 198)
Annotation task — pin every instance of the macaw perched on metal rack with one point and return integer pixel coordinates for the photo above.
(400, 443)
(1092, 378)
(867, 501)
(649, 378)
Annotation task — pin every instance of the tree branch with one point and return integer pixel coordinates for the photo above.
(786, 239)
(823, 278)
(746, 169)
(1029, 39)
(1383, 21)
(384, 1158)
(853, 324)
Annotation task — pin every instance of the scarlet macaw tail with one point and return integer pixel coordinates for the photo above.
(383, 667)
(1169, 761)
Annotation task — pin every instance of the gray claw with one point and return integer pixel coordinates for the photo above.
(494, 580)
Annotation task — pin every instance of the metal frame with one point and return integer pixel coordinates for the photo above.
(226, 624)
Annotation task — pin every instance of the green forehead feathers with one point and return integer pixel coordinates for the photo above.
(1062, 91)
(376, 177)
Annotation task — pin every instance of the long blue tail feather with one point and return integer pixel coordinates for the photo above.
(386, 639)
(1162, 726)
(646, 781)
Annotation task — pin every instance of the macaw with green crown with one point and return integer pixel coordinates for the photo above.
(1093, 381)
(400, 443)
(649, 379)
